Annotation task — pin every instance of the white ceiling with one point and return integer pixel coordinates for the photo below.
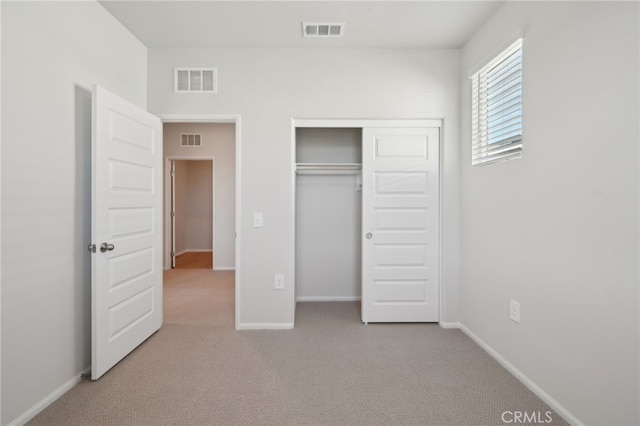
(369, 24)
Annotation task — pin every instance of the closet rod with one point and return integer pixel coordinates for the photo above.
(328, 168)
(328, 172)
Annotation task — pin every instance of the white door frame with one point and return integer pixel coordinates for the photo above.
(236, 120)
(362, 123)
(168, 167)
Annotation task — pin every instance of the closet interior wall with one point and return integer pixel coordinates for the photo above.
(328, 215)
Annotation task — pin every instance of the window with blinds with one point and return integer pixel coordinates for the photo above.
(497, 108)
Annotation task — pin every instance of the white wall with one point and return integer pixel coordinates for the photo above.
(328, 234)
(0, 214)
(218, 142)
(199, 205)
(51, 54)
(558, 229)
(268, 87)
(194, 206)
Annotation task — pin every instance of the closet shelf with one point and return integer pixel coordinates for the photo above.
(328, 168)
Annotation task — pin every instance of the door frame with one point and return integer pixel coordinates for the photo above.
(371, 123)
(168, 168)
(236, 120)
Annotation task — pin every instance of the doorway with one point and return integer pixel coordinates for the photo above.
(193, 206)
(200, 194)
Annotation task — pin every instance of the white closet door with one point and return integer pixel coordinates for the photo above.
(400, 225)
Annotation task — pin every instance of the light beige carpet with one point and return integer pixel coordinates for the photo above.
(329, 370)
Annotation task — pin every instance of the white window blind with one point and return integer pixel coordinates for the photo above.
(497, 108)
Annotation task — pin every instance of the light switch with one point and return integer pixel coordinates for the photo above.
(258, 220)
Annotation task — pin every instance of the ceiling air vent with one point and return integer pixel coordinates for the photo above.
(196, 80)
(325, 29)
(191, 139)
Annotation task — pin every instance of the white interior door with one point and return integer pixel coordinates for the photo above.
(126, 271)
(400, 224)
(173, 214)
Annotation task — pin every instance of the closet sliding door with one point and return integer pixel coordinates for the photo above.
(400, 224)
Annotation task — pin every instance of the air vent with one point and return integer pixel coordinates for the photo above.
(191, 140)
(196, 80)
(325, 29)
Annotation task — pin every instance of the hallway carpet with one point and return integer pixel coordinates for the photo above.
(329, 370)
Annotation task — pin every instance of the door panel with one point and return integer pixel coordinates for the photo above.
(400, 225)
(127, 218)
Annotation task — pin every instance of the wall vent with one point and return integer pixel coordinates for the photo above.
(324, 29)
(196, 80)
(191, 140)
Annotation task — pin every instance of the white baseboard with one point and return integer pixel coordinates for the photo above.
(265, 326)
(178, 253)
(224, 268)
(49, 399)
(530, 384)
(328, 299)
(450, 325)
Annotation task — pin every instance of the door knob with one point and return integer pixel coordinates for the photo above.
(106, 247)
(369, 235)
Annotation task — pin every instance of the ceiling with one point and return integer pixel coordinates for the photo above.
(265, 24)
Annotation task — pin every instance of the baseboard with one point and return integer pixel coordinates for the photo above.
(265, 326)
(224, 268)
(49, 399)
(530, 384)
(328, 299)
(450, 325)
(181, 252)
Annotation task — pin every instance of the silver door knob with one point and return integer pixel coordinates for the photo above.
(106, 247)
(369, 235)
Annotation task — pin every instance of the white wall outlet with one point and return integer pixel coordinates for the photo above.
(514, 311)
(258, 220)
(279, 281)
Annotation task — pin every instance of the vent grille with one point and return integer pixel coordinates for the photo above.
(196, 80)
(191, 140)
(324, 29)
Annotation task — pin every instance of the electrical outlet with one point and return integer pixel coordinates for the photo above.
(279, 281)
(514, 311)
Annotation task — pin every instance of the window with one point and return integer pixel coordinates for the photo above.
(497, 108)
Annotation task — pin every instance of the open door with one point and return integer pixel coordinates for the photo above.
(126, 288)
(400, 224)
(173, 214)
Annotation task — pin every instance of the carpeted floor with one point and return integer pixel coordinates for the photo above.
(329, 370)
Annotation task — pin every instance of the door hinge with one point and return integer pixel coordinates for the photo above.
(91, 248)
(173, 254)
(173, 214)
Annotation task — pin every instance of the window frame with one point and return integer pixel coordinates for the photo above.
(498, 138)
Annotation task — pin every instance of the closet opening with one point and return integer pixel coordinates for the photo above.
(367, 216)
(328, 214)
